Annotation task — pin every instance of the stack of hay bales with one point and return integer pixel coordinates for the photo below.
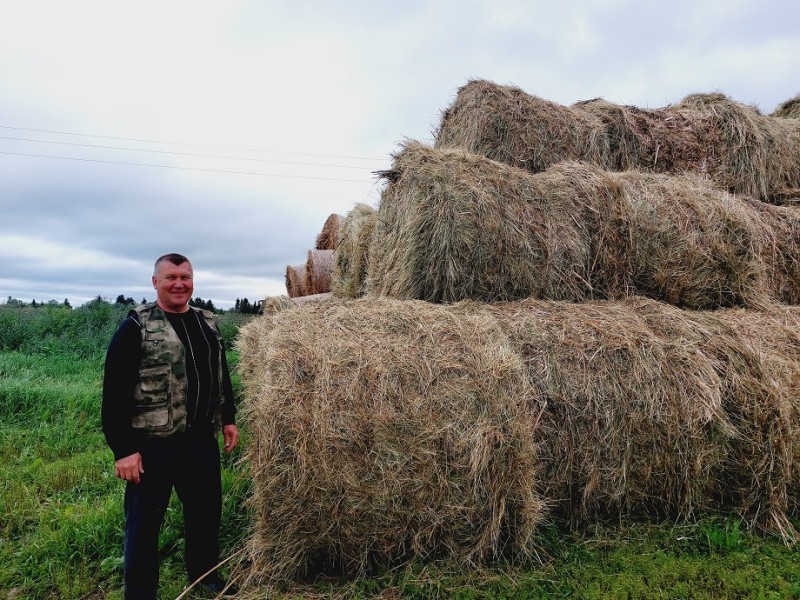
(311, 280)
(571, 343)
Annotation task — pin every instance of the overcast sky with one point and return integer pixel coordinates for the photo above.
(230, 131)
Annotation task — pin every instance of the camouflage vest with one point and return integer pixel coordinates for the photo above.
(160, 395)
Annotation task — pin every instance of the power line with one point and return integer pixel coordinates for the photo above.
(229, 171)
(129, 139)
(194, 155)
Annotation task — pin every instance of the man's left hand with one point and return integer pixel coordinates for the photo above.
(230, 435)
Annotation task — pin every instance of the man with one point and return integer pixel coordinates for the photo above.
(166, 393)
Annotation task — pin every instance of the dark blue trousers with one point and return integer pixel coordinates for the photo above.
(189, 463)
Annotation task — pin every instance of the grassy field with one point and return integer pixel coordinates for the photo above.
(61, 507)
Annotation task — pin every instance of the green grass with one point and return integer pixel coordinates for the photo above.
(61, 509)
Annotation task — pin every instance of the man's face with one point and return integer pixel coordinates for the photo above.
(174, 286)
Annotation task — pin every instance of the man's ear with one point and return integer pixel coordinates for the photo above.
(154, 280)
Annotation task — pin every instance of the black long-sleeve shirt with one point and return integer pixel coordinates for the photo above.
(122, 374)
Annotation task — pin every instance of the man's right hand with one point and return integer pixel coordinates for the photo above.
(129, 468)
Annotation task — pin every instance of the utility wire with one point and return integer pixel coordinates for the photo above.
(216, 156)
(116, 162)
(128, 139)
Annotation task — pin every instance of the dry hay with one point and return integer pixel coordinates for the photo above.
(313, 298)
(296, 280)
(319, 267)
(350, 268)
(789, 109)
(695, 246)
(634, 423)
(453, 225)
(331, 233)
(662, 140)
(508, 125)
(779, 247)
(388, 429)
(274, 304)
(735, 145)
(758, 156)
(385, 431)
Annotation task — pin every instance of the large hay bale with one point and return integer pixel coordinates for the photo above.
(453, 225)
(383, 431)
(296, 280)
(508, 125)
(634, 421)
(789, 109)
(350, 267)
(329, 237)
(709, 134)
(758, 156)
(319, 267)
(660, 140)
(757, 354)
(388, 429)
(695, 246)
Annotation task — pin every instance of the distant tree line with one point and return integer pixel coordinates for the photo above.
(243, 306)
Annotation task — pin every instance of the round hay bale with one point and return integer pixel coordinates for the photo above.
(350, 267)
(693, 245)
(508, 125)
(453, 225)
(789, 109)
(329, 237)
(319, 268)
(386, 430)
(633, 419)
(661, 140)
(757, 354)
(758, 156)
(296, 280)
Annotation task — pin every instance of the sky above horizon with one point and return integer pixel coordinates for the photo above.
(229, 132)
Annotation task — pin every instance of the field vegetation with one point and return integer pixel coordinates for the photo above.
(61, 507)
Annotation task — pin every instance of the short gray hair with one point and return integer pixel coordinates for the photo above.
(173, 257)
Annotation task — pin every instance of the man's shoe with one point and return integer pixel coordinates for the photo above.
(218, 587)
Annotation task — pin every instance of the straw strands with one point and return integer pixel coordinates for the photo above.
(453, 225)
(789, 109)
(734, 145)
(758, 156)
(388, 429)
(350, 268)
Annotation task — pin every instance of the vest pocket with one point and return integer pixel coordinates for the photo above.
(154, 417)
(153, 408)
